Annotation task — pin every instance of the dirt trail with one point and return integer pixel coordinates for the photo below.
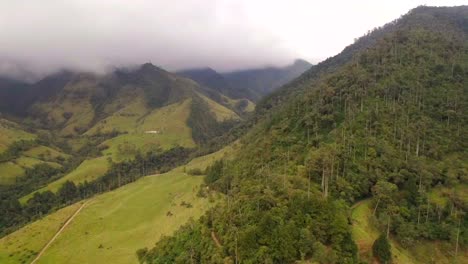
(59, 231)
(215, 239)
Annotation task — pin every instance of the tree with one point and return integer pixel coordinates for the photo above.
(382, 249)
(383, 192)
(68, 192)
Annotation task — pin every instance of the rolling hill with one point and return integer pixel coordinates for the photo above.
(124, 112)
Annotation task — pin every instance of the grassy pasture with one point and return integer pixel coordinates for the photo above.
(9, 171)
(23, 245)
(115, 224)
(88, 170)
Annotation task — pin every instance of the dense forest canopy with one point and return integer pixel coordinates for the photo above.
(385, 120)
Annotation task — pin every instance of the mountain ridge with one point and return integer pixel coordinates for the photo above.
(250, 83)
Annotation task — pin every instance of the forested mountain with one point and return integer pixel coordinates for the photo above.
(74, 133)
(252, 84)
(383, 122)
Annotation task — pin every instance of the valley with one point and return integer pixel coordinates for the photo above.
(361, 158)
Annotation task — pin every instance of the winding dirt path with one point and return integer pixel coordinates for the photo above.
(59, 232)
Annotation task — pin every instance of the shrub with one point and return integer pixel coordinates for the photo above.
(382, 250)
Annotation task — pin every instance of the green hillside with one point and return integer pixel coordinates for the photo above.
(20, 151)
(88, 170)
(23, 245)
(117, 222)
(377, 122)
(11, 132)
(9, 171)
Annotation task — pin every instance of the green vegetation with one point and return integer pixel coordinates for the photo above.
(9, 171)
(382, 249)
(126, 219)
(11, 132)
(378, 121)
(23, 245)
(118, 222)
(382, 124)
(46, 153)
(88, 171)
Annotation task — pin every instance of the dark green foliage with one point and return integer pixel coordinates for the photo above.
(384, 119)
(14, 150)
(382, 249)
(67, 192)
(195, 172)
(214, 172)
(203, 123)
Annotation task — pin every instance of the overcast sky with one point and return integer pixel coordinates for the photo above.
(43, 36)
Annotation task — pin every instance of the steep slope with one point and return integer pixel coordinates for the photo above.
(261, 82)
(89, 104)
(213, 80)
(384, 120)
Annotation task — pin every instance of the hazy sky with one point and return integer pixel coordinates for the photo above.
(42, 36)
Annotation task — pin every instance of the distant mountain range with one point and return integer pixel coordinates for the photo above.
(252, 83)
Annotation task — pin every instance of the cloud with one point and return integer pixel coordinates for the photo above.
(40, 37)
(48, 35)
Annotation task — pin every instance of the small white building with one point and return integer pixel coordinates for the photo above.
(152, 132)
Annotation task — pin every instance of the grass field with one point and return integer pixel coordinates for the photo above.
(28, 162)
(11, 132)
(115, 224)
(23, 245)
(9, 171)
(123, 119)
(45, 153)
(168, 121)
(221, 112)
(88, 170)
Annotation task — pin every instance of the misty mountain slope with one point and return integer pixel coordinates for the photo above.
(420, 16)
(262, 82)
(121, 99)
(387, 124)
(128, 111)
(252, 84)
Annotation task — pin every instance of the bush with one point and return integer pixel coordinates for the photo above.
(195, 171)
(382, 250)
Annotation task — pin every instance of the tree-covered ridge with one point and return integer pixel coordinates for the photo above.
(389, 124)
